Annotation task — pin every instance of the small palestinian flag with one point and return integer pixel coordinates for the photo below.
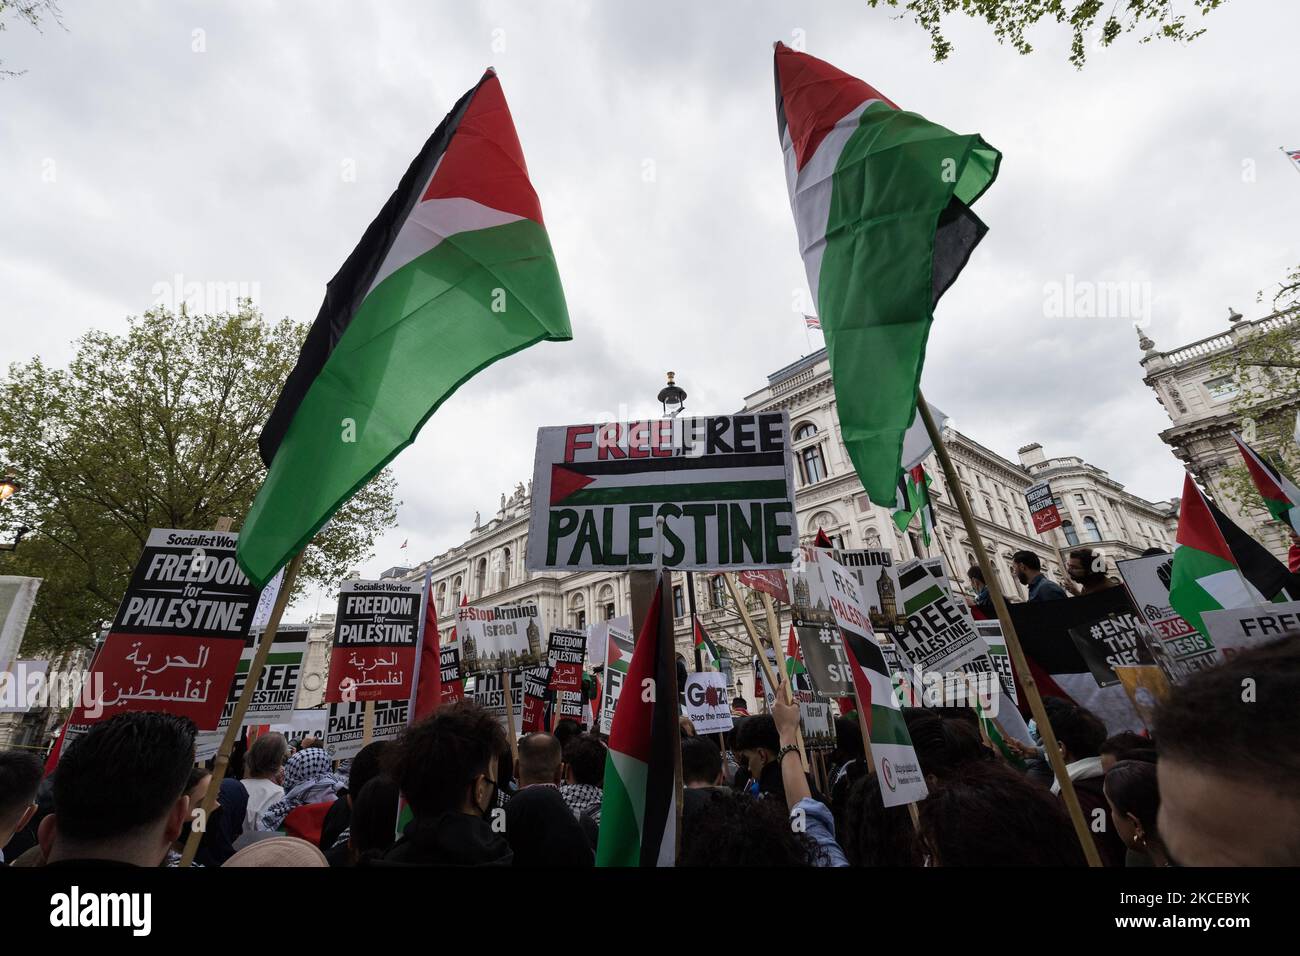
(914, 496)
(710, 659)
(455, 273)
(1279, 494)
(640, 809)
(1206, 575)
(881, 200)
(794, 665)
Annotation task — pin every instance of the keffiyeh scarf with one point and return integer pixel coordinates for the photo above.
(307, 779)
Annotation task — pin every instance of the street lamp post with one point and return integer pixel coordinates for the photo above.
(9, 487)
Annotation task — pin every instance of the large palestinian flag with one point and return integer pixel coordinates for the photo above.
(1206, 575)
(881, 201)
(454, 273)
(1280, 496)
(640, 808)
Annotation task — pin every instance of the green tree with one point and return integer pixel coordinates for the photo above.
(1265, 370)
(156, 428)
(1011, 19)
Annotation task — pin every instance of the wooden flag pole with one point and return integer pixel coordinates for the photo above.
(368, 724)
(1050, 744)
(241, 707)
(775, 684)
(510, 718)
(773, 633)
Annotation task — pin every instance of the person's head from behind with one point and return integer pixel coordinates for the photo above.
(942, 743)
(1133, 792)
(1025, 566)
(266, 758)
(976, 578)
(1019, 822)
(1079, 732)
(687, 728)
(373, 823)
(584, 760)
(540, 757)
(738, 703)
(20, 775)
(873, 834)
(848, 740)
(731, 829)
(450, 762)
(1086, 566)
(120, 791)
(1126, 745)
(1229, 767)
(701, 762)
(366, 765)
(566, 729)
(756, 743)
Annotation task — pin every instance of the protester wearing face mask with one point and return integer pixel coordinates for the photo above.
(447, 767)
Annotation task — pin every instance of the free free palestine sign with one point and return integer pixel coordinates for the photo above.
(723, 484)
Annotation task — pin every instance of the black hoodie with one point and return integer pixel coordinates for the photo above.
(448, 839)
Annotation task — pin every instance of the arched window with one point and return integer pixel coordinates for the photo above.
(505, 568)
(457, 589)
(578, 610)
(718, 591)
(805, 430)
(442, 598)
(812, 464)
(1090, 529)
(1071, 536)
(480, 577)
(606, 602)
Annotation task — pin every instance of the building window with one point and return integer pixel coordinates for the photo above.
(718, 591)
(837, 541)
(1221, 388)
(505, 569)
(679, 609)
(457, 590)
(1078, 500)
(806, 430)
(1071, 537)
(1090, 529)
(814, 469)
(580, 620)
(480, 577)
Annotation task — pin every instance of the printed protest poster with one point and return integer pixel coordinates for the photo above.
(304, 722)
(770, 582)
(1180, 649)
(489, 693)
(493, 639)
(1042, 508)
(1234, 630)
(453, 678)
(877, 577)
(618, 655)
(724, 486)
(376, 638)
(897, 767)
(991, 633)
(938, 634)
(706, 703)
(565, 653)
(345, 725)
(818, 725)
(178, 634)
(823, 652)
(277, 686)
(533, 710)
(1109, 642)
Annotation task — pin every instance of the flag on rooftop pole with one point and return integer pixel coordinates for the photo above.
(709, 656)
(914, 497)
(454, 273)
(1280, 496)
(812, 322)
(881, 200)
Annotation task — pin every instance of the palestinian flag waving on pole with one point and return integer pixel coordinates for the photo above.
(640, 808)
(914, 496)
(1206, 575)
(881, 201)
(709, 655)
(454, 273)
(1280, 496)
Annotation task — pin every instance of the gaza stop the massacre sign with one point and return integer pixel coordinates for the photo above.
(723, 484)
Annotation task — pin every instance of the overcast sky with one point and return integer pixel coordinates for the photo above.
(252, 142)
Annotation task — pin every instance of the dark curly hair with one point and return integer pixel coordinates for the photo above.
(585, 755)
(439, 757)
(731, 829)
(873, 834)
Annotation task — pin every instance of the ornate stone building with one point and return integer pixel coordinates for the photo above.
(1196, 385)
(489, 565)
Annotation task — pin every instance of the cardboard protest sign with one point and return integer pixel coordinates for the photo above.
(1181, 649)
(877, 575)
(818, 725)
(376, 638)
(823, 652)
(1111, 641)
(897, 767)
(179, 631)
(770, 582)
(706, 702)
(304, 722)
(723, 484)
(1042, 508)
(1240, 628)
(996, 642)
(939, 633)
(618, 655)
(489, 693)
(345, 725)
(598, 634)
(493, 639)
(565, 653)
(277, 686)
(533, 711)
